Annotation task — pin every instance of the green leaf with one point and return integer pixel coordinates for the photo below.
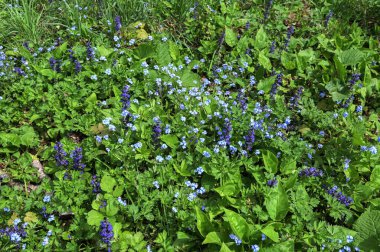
(103, 51)
(261, 39)
(94, 218)
(190, 79)
(171, 140)
(271, 233)
(277, 203)
(228, 189)
(144, 51)
(238, 224)
(107, 183)
(288, 166)
(174, 50)
(368, 231)
(231, 39)
(203, 223)
(224, 248)
(351, 57)
(213, 238)
(264, 61)
(288, 61)
(270, 161)
(163, 54)
(266, 84)
(375, 176)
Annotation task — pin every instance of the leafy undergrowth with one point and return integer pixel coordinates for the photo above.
(255, 128)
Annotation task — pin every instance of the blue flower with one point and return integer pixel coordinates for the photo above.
(46, 198)
(199, 170)
(106, 231)
(156, 184)
(350, 239)
(206, 154)
(236, 239)
(255, 248)
(45, 241)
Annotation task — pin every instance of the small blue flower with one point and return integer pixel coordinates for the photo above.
(16, 221)
(47, 198)
(255, 248)
(121, 201)
(156, 184)
(350, 239)
(51, 218)
(373, 150)
(199, 170)
(345, 114)
(263, 237)
(108, 71)
(236, 239)
(45, 241)
(206, 154)
(159, 159)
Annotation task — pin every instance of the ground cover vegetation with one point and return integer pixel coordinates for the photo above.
(189, 125)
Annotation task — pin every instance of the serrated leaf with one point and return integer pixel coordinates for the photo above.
(230, 37)
(368, 231)
(94, 218)
(107, 183)
(238, 224)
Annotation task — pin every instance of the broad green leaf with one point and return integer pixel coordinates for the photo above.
(141, 34)
(144, 51)
(171, 140)
(375, 176)
(213, 238)
(271, 233)
(288, 166)
(103, 51)
(228, 189)
(231, 39)
(107, 183)
(261, 39)
(163, 54)
(288, 61)
(264, 61)
(277, 203)
(368, 231)
(270, 161)
(238, 224)
(174, 50)
(266, 84)
(351, 57)
(203, 223)
(224, 248)
(94, 218)
(190, 79)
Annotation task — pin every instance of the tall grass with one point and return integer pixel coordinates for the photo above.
(25, 20)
